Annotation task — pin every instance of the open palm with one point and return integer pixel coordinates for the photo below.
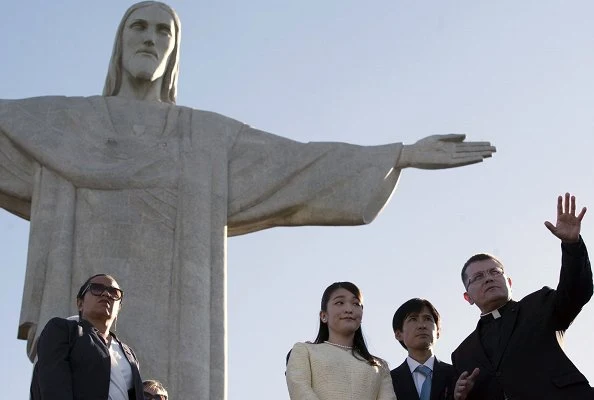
(444, 151)
(568, 224)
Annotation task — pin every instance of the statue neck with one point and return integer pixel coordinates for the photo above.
(129, 117)
(140, 89)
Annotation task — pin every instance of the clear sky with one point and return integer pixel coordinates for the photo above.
(519, 74)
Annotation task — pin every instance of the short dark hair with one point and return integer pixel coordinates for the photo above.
(415, 305)
(85, 286)
(475, 258)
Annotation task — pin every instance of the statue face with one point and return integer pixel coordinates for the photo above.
(148, 39)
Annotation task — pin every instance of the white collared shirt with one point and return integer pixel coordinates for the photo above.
(419, 378)
(121, 373)
(120, 379)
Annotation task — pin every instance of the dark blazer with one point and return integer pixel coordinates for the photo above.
(74, 363)
(529, 363)
(442, 383)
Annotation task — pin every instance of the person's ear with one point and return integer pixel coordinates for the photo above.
(468, 298)
(79, 304)
(398, 335)
(324, 317)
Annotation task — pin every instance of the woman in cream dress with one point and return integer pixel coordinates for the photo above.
(338, 365)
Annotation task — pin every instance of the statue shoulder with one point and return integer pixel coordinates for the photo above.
(218, 127)
(215, 117)
(46, 102)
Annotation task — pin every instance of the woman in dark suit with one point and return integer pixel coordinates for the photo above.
(83, 359)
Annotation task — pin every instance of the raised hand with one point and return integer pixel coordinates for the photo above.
(464, 384)
(444, 151)
(568, 224)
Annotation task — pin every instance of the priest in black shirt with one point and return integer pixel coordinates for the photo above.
(515, 351)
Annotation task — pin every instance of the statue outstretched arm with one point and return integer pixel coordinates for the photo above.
(275, 181)
(444, 151)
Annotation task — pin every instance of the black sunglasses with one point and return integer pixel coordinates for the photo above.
(97, 289)
(150, 396)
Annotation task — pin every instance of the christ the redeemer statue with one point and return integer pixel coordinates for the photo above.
(131, 184)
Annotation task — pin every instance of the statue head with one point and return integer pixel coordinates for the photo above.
(169, 75)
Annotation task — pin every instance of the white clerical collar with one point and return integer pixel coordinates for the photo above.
(496, 314)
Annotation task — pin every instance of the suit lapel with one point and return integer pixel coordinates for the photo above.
(406, 385)
(438, 380)
(507, 328)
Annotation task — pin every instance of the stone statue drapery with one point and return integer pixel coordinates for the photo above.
(105, 195)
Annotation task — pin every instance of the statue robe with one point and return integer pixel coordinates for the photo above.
(155, 212)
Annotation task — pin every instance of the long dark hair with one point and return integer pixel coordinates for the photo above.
(359, 349)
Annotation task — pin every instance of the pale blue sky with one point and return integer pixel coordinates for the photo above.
(519, 74)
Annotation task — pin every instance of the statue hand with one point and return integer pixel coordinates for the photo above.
(568, 224)
(444, 151)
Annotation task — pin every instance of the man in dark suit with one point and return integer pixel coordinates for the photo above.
(421, 376)
(515, 351)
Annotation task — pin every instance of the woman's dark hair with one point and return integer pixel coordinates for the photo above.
(85, 286)
(359, 347)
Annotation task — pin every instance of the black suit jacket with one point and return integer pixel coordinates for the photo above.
(74, 363)
(529, 363)
(442, 383)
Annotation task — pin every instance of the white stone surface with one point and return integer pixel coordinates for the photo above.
(135, 186)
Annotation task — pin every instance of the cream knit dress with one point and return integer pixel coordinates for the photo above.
(326, 372)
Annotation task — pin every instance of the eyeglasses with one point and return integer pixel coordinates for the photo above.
(481, 276)
(97, 289)
(150, 396)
